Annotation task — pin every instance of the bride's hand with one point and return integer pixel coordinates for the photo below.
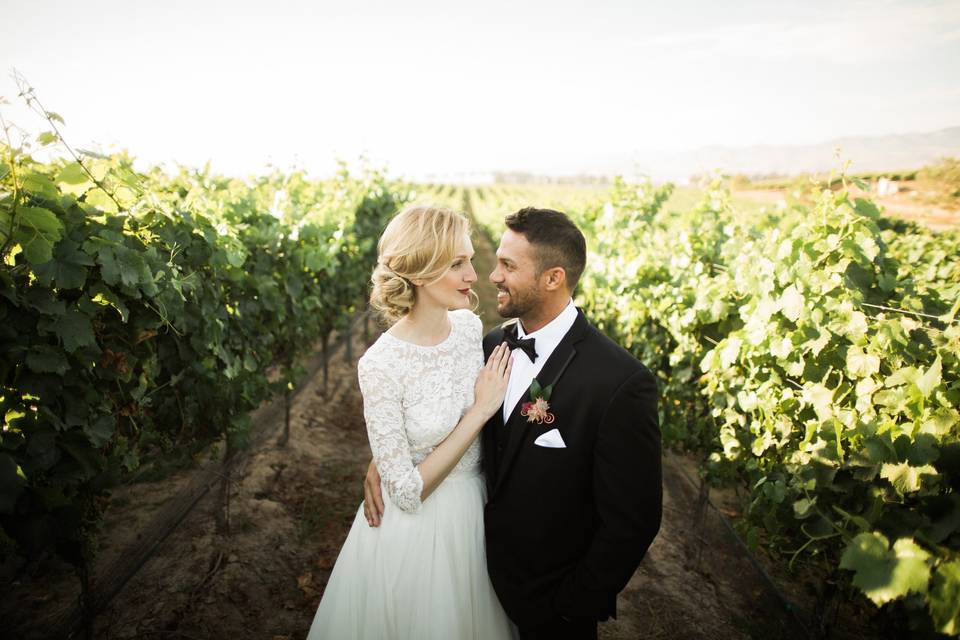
(491, 385)
(372, 496)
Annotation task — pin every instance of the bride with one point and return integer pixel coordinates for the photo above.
(426, 395)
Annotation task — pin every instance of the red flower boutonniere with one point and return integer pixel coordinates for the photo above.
(538, 410)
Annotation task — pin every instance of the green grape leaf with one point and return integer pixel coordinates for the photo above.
(98, 198)
(885, 574)
(126, 196)
(74, 180)
(48, 137)
(46, 359)
(944, 598)
(930, 379)
(109, 269)
(803, 508)
(904, 477)
(868, 246)
(866, 208)
(791, 303)
(37, 231)
(856, 327)
(860, 364)
(897, 399)
(100, 430)
(901, 376)
(45, 301)
(816, 346)
(41, 184)
(67, 268)
(72, 173)
(730, 351)
(130, 265)
(821, 399)
(941, 422)
(74, 328)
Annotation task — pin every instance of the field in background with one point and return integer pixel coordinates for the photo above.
(917, 201)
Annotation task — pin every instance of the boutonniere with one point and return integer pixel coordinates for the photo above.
(538, 410)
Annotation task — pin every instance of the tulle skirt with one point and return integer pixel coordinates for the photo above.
(416, 576)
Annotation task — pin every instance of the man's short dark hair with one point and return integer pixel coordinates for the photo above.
(556, 240)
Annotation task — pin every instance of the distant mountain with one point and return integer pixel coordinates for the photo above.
(866, 153)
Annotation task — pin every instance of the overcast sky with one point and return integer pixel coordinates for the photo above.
(443, 87)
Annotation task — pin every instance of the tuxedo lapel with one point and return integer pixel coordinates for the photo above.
(553, 368)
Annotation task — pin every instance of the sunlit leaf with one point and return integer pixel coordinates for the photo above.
(885, 574)
(930, 379)
(860, 364)
(905, 477)
(791, 303)
(47, 137)
(98, 198)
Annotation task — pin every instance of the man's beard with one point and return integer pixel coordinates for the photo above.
(517, 303)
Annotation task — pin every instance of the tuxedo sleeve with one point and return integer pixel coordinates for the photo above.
(628, 495)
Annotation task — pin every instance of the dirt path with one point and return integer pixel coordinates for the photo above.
(291, 508)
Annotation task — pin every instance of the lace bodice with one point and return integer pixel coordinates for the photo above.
(413, 397)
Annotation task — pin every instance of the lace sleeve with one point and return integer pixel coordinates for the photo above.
(388, 439)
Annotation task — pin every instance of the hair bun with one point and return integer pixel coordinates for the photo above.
(392, 295)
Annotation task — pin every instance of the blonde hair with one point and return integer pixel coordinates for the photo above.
(420, 243)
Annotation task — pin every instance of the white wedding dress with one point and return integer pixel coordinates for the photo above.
(422, 573)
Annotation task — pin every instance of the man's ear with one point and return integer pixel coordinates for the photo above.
(555, 278)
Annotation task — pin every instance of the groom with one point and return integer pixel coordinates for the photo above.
(573, 459)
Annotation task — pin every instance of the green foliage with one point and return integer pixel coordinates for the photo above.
(815, 355)
(945, 175)
(139, 313)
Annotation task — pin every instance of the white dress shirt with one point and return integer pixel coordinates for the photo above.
(524, 371)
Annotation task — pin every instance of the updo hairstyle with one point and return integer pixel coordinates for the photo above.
(419, 243)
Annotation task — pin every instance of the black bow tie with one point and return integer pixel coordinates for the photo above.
(524, 344)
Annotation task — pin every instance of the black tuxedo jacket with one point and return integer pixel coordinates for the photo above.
(567, 527)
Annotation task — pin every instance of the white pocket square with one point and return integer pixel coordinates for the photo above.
(551, 439)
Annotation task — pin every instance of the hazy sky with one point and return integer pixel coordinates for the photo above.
(443, 87)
